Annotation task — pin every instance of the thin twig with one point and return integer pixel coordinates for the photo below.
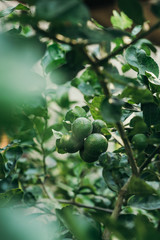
(52, 36)
(149, 159)
(85, 206)
(44, 189)
(119, 50)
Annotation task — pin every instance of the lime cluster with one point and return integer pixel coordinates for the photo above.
(139, 129)
(83, 136)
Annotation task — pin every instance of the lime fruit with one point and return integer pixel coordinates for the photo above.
(95, 144)
(139, 141)
(81, 128)
(140, 127)
(69, 144)
(87, 157)
(98, 125)
(135, 120)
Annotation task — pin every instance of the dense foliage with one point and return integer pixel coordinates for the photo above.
(80, 106)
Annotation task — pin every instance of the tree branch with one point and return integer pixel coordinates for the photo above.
(119, 50)
(85, 206)
(117, 208)
(53, 37)
(128, 149)
(149, 159)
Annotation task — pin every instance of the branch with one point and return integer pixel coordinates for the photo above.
(117, 208)
(85, 206)
(128, 149)
(53, 37)
(149, 159)
(99, 73)
(119, 50)
(43, 149)
(119, 201)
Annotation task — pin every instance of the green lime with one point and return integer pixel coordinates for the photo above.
(98, 125)
(139, 141)
(140, 127)
(81, 128)
(135, 120)
(95, 144)
(75, 113)
(69, 144)
(89, 158)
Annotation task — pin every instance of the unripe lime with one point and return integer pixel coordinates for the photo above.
(69, 144)
(135, 120)
(81, 128)
(98, 125)
(139, 141)
(140, 127)
(87, 157)
(95, 144)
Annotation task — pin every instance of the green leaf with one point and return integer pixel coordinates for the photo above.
(54, 57)
(75, 113)
(73, 11)
(151, 113)
(57, 134)
(150, 202)
(140, 61)
(138, 186)
(153, 79)
(138, 95)
(75, 59)
(80, 226)
(144, 44)
(145, 228)
(86, 89)
(9, 10)
(2, 172)
(111, 110)
(88, 75)
(11, 197)
(136, 30)
(121, 20)
(109, 179)
(125, 68)
(36, 105)
(133, 10)
(95, 107)
(12, 155)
